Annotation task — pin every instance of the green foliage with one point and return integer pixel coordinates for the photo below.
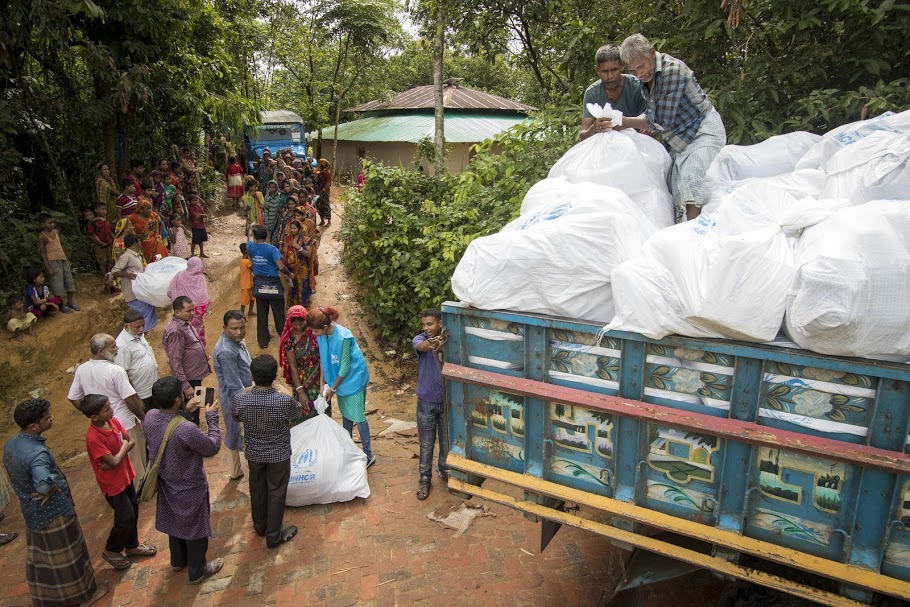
(406, 231)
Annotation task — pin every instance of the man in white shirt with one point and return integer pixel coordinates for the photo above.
(99, 375)
(136, 356)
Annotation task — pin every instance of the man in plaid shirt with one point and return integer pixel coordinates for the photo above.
(265, 414)
(681, 114)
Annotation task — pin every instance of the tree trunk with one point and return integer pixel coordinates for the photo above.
(438, 50)
(339, 94)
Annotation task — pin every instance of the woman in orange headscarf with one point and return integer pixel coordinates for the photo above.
(147, 226)
(298, 356)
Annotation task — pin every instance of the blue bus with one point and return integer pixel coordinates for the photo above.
(278, 129)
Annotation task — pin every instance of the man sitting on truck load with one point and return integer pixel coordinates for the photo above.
(431, 417)
(681, 114)
(622, 91)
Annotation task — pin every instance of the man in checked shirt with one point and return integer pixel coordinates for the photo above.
(266, 414)
(681, 114)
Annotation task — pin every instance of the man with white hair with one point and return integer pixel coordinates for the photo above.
(681, 114)
(99, 375)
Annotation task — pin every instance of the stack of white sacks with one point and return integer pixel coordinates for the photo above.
(806, 232)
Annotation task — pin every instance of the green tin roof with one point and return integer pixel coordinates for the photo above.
(459, 128)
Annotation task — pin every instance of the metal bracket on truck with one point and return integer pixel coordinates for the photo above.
(794, 458)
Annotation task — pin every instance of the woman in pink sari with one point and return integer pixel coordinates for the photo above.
(191, 283)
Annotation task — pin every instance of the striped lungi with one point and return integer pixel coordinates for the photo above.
(57, 565)
(687, 175)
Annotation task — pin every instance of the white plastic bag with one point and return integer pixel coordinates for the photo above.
(774, 156)
(851, 295)
(725, 275)
(326, 465)
(807, 183)
(874, 168)
(606, 111)
(628, 161)
(150, 286)
(837, 139)
(556, 260)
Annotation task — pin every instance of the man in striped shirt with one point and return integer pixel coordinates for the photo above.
(681, 114)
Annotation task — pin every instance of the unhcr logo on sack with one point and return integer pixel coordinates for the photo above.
(306, 458)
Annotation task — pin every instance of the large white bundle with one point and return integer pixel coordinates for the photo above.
(774, 156)
(326, 465)
(875, 168)
(723, 275)
(151, 285)
(558, 259)
(627, 160)
(837, 139)
(546, 192)
(851, 295)
(807, 183)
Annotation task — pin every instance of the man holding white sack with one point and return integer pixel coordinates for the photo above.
(622, 91)
(682, 115)
(127, 268)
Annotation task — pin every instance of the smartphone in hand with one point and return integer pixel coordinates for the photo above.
(207, 395)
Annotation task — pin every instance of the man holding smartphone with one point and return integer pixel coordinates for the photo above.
(185, 351)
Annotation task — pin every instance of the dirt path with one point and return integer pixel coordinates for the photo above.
(377, 552)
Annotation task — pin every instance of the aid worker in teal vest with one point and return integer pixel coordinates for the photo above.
(345, 371)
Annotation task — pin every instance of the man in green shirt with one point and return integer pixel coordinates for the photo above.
(622, 91)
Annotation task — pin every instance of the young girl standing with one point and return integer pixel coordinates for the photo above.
(234, 177)
(197, 223)
(179, 233)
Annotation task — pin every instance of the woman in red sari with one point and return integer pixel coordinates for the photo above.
(298, 356)
(147, 226)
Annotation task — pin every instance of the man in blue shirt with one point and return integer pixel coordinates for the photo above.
(58, 568)
(231, 361)
(622, 91)
(267, 287)
(682, 115)
(431, 418)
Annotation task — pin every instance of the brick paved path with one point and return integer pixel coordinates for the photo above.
(381, 551)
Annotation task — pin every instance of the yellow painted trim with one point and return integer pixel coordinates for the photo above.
(854, 576)
(654, 545)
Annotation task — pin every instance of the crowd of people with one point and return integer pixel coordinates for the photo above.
(144, 429)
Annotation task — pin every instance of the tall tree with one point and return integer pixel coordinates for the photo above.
(439, 42)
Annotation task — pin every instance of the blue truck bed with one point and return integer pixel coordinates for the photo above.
(789, 456)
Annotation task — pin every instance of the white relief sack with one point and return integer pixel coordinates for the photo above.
(774, 156)
(874, 168)
(150, 286)
(851, 295)
(723, 275)
(627, 160)
(556, 260)
(843, 136)
(326, 465)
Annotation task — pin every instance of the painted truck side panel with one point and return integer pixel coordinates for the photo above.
(836, 486)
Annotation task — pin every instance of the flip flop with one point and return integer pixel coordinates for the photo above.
(142, 550)
(117, 562)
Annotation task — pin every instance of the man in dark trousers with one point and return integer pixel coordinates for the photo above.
(431, 417)
(266, 415)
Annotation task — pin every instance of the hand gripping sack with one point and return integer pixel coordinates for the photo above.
(628, 161)
(851, 296)
(557, 260)
(151, 285)
(326, 465)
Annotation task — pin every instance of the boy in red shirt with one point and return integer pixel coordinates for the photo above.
(108, 444)
(101, 234)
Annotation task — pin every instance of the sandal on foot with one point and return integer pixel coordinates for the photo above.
(423, 490)
(118, 561)
(211, 569)
(142, 550)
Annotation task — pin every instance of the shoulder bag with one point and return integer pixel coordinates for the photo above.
(148, 486)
